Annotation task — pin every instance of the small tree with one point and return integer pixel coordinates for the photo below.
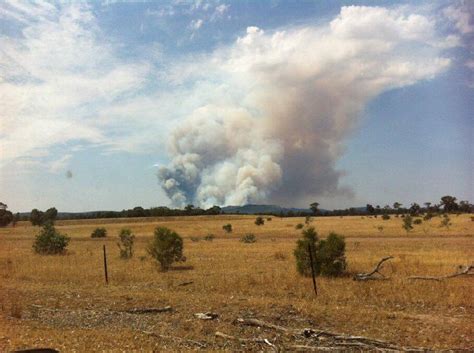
(407, 223)
(303, 263)
(259, 221)
(127, 239)
(328, 255)
(99, 233)
(166, 247)
(227, 228)
(331, 255)
(49, 242)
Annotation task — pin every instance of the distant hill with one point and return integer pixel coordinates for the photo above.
(264, 209)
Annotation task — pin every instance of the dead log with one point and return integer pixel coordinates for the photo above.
(148, 310)
(375, 274)
(462, 271)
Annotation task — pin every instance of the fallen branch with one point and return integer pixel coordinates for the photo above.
(246, 340)
(176, 339)
(185, 283)
(462, 271)
(148, 310)
(372, 275)
(330, 339)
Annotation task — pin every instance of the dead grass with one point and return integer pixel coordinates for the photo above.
(62, 301)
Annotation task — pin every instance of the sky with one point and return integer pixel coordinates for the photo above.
(112, 105)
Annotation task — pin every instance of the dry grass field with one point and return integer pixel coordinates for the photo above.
(63, 302)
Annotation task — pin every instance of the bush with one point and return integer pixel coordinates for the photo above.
(248, 238)
(417, 221)
(299, 226)
(445, 221)
(49, 242)
(308, 219)
(259, 221)
(99, 233)
(328, 255)
(428, 216)
(385, 217)
(227, 228)
(126, 243)
(166, 247)
(269, 219)
(331, 255)
(209, 237)
(195, 239)
(407, 223)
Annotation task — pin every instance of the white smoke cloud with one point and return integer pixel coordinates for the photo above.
(279, 105)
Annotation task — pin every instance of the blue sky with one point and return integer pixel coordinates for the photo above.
(114, 105)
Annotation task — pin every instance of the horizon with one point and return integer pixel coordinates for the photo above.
(110, 106)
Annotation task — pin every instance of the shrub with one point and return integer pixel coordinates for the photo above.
(195, 239)
(126, 243)
(166, 247)
(385, 217)
(328, 255)
(269, 219)
(49, 242)
(248, 238)
(308, 219)
(209, 237)
(445, 221)
(227, 228)
(303, 264)
(428, 216)
(299, 226)
(407, 223)
(259, 221)
(99, 233)
(417, 221)
(380, 229)
(331, 255)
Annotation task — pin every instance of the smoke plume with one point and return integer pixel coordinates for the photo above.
(275, 108)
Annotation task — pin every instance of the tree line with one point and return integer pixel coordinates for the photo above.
(447, 204)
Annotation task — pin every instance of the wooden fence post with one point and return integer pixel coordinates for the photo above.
(105, 267)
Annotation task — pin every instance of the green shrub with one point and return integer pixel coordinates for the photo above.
(331, 255)
(248, 238)
(428, 216)
(259, 221)
(227, 228)
(49, 242)
(127, 239)
(303, 263)
(269, 219)
(407, 223)
(417, 221)
(385, 217)
(99, 233)
(299, 226)
(166, 247)
(308, 219)
(209, 237)
(328, 255)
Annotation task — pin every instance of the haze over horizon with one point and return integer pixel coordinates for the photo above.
(108, 106)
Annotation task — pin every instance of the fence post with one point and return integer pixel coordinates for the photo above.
(105, 267)
(312, 269)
